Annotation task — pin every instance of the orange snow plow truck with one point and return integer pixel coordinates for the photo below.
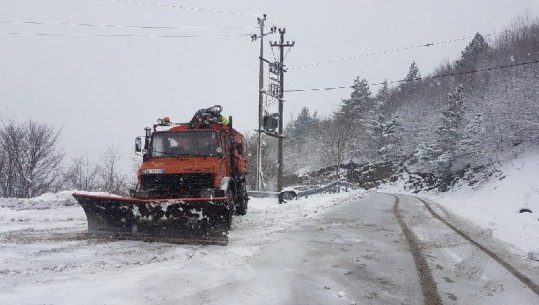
(191, 182)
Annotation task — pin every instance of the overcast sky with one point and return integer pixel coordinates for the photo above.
(104, 90)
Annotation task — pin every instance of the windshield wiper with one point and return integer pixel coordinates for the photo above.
(166, 153)
(186, 155)
(162, 152)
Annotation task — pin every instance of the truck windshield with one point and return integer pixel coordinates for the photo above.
(184, 143)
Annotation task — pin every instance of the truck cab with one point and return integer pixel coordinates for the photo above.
(187, 160)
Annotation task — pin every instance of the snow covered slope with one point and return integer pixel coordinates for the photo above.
(495, 206)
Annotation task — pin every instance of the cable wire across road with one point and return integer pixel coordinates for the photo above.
(28, 22)
(122, 35)
(190, 8)
(422, 78)
(425, 45)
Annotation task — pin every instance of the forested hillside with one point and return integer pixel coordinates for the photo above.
(461, 120)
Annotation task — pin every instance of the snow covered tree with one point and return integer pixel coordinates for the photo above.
(410, 89)
(11, 135)
(357, 111)
(305, 124)
(39, 159)
(270, 165)
(360, 99)
(391, 143)
(112, 180)
(374, 123)
(3, 165)
(472, 152)
(450, 133)
(382, 97)
(81, 175)
(474, 52)
(413, 73)
(32, 158)
(251, 141)
(301, 143)
(337, 139)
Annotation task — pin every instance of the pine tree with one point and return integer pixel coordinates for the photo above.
(375, 122)
(472, 153)
(450, 133)
(474, 52)
(360, 99)
(391, 141)
(301, 142)
(413, 73)
(358, 111)
(382, 97)
(303, 125)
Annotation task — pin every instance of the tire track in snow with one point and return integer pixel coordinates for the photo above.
(523, 278)
(426, 280)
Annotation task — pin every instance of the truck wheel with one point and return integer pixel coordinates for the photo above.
(229, 219)
(230, 210)
(241, 209)
(242, 202)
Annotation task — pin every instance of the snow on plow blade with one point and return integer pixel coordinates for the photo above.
(190, 220)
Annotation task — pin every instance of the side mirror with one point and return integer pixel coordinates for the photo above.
(138, 144)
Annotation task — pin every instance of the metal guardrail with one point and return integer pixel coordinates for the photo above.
(285, 196)
(261, 194)
(325, 188)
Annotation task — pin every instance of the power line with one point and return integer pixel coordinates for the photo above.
(425, 45)
(124, 26)
(122, 35)
(421, 78)
(189, 8)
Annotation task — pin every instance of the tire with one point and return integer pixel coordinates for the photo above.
(230, 199)
(241, 207)
(242, 204)
(284, 197)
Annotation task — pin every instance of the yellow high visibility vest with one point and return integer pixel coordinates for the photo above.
(224, 120)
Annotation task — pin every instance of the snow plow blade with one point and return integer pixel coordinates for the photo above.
(183, 220)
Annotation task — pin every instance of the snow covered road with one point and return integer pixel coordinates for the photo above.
(467, 265)
(331, 249)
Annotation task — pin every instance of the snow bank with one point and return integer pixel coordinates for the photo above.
(45, 201)
(41, 213)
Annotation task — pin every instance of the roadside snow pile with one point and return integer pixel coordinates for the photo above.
(266, 217)
(44, 212)
(500, 204)
(45, 201)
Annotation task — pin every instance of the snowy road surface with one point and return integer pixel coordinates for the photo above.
(332, 249)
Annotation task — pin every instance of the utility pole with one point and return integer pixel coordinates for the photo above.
(281, 45)
(260, 106)
(261, 93)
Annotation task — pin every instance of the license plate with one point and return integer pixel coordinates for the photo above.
(153, 171)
